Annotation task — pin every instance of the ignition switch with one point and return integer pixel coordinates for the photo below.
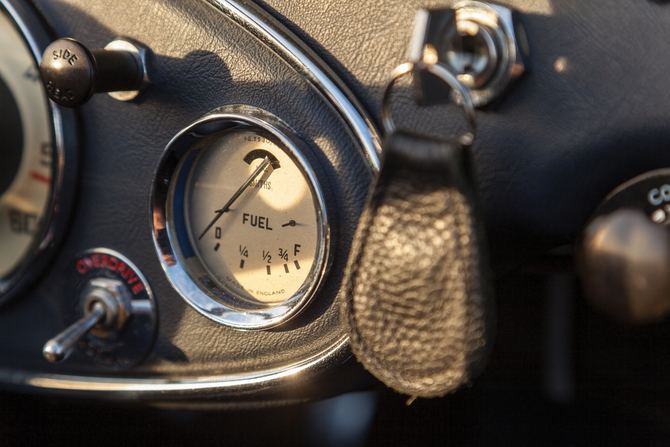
(482, 44)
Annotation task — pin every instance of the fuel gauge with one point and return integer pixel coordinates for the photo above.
(246, 221)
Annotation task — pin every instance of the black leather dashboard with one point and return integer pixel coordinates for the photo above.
(590, 113)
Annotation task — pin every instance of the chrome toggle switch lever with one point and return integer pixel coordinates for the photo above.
(59, 347)
(106, 305)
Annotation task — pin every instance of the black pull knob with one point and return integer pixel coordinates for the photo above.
(71, 73)
(625, 266)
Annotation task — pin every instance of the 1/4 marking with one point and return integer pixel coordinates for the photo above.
(241, 263)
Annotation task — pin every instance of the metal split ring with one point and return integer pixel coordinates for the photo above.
(445, 75)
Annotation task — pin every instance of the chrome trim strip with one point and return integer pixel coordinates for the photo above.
(148, 389)
(303, 60)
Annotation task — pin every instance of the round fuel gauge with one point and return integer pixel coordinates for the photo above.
(246, 220)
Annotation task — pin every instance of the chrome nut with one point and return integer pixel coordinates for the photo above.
(481, 43)
(497, 24)
(115, 298)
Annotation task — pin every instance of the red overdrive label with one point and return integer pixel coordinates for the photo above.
(113, 264)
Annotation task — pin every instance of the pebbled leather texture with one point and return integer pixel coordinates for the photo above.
(416, 301)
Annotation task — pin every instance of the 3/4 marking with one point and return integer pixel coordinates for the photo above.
(286, 268)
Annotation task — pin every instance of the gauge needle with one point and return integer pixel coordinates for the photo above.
(241, 189)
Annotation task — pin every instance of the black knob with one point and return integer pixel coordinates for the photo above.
(71, 73)
(625, 266)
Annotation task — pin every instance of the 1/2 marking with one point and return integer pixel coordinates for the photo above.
(268, 270)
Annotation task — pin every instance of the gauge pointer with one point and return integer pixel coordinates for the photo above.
(291, 223)
(245, 185)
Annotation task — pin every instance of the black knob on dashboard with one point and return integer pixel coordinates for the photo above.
(625, 266)
(71, 73)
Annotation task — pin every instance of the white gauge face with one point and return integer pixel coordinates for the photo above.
(25, 154)
(252, 218)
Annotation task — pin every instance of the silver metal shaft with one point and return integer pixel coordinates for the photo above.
(56, 349)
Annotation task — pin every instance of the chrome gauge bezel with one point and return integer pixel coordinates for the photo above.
(218, 305)
(64, 165)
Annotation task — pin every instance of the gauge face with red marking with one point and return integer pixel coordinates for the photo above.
(26, 163)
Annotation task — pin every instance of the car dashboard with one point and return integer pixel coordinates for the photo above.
(229, 307)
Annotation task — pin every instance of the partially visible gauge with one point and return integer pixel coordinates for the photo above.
(247, 235)
(32, 155)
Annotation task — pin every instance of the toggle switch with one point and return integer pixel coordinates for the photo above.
(107, 307)
(111, 312)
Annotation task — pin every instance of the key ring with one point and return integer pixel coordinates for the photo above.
(445, 75)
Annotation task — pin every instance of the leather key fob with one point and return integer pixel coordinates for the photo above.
(417, 303)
